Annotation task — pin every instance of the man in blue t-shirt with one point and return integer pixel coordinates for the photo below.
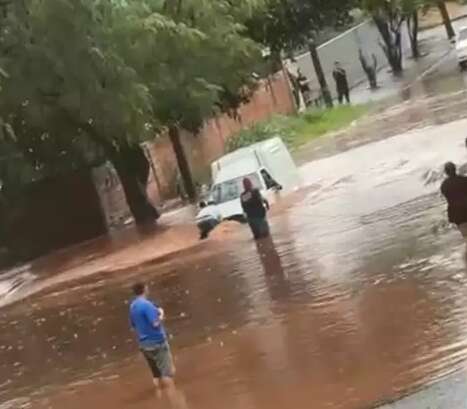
(147, 319)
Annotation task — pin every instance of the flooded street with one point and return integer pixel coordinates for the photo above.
(359, 299)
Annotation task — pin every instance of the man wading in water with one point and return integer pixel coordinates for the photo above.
(146, 319)
(454, 189)
(255, 206)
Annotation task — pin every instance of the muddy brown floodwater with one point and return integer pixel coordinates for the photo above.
(359, 298)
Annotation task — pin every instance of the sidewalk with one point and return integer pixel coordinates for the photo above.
(434, 47)
(433, 18)
(450, 393)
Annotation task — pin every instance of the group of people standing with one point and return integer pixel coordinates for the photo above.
(301, 85)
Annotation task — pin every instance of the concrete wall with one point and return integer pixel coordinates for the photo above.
(344, 48)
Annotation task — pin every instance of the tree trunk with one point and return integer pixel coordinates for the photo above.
(184, 167)
(132, 168)
(412, 28)
(391, 45)
(446, 19)
(320, 74)
(290, 86)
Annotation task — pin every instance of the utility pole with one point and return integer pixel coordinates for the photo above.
(320, 74)
(446, 19)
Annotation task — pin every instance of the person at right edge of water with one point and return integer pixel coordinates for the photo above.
(454, 189)
(255, 207)
(342, 84)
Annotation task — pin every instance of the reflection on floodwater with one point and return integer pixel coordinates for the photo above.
(358, 297)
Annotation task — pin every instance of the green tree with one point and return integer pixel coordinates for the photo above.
(389, 16)
(284, 25)
(68, 82)
(411, 9)
(104, 75)
(209, 72)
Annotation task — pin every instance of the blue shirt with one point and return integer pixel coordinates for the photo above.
(143, 315)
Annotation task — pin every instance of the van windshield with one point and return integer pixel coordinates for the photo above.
(232, 189)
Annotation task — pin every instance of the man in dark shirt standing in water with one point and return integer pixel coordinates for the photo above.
(454, 189)
(255, 206)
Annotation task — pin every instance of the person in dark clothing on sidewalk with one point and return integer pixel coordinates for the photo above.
(454, 189)
(342, 85)
(255, 207)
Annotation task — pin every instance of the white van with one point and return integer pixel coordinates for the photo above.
(267, 164)
(461, 47)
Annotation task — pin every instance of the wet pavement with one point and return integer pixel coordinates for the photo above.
(436, 71)
(359, 299)
(449, 393)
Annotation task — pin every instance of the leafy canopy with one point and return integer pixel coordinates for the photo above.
(286, 24)
(86, 74)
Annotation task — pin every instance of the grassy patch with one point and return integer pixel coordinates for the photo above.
(297, 130)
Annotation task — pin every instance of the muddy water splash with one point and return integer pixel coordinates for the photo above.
(359, 298)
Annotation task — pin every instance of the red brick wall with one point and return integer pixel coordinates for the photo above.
(272, 97)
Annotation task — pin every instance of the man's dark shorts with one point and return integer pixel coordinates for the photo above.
(160, 361)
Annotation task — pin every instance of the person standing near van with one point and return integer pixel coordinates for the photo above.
(342, 84)
(255, 208)
(146, 320)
